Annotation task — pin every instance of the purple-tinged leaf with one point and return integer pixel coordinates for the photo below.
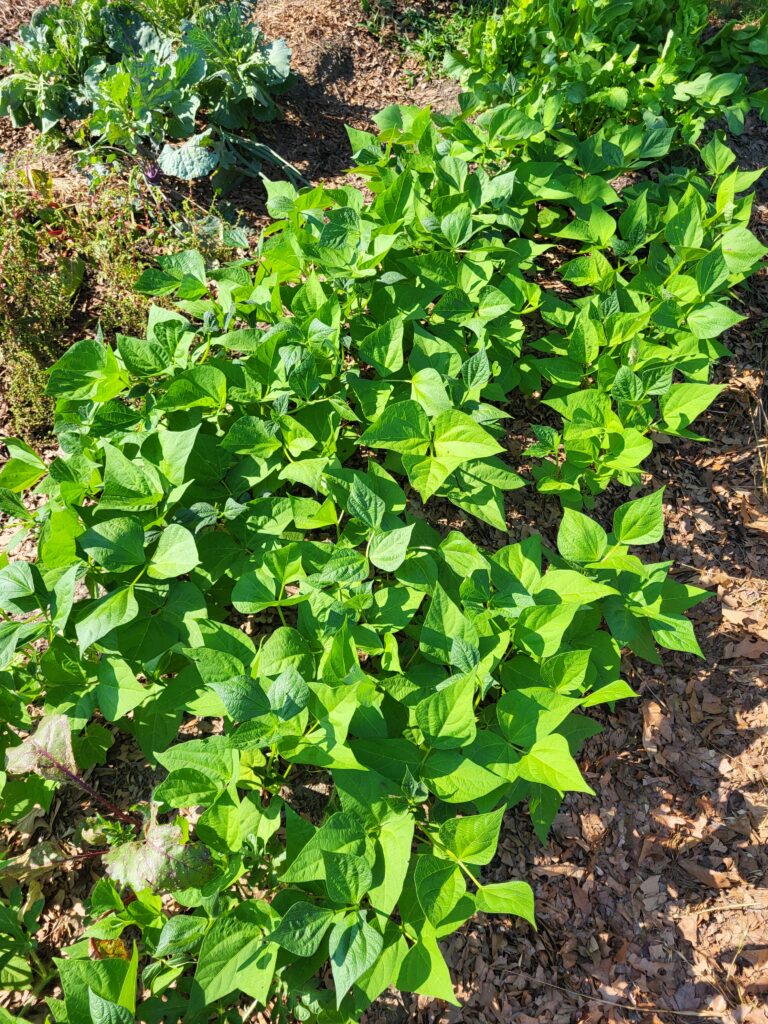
(160, 861)
(47, 752)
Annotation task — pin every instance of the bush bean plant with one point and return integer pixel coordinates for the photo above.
(617, 60)
(214, 543)
(238, 528)
(258, 559)
(181, 86)
(437, 284)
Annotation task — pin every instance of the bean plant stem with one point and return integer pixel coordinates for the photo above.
(129, 819)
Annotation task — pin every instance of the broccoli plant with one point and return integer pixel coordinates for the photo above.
(186, 94)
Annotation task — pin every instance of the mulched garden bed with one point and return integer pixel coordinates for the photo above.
(652, 896)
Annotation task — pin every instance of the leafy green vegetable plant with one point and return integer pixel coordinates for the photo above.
(444, 318)
(186, 93)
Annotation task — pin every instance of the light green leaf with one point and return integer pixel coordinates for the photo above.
(347, 877)
(175, 555)
(581, 539)
(712, 319)
(354, 947)
(116, 544)
(237, 954)
(428, 389)
(458, 436)
(473, 839)
(424, 971)
(444, 623)
(507, 898)
(388, 548)
(569, 585)
(447, 717)
(105, 614)
(118, 691)
(187, 787)
(393, 854)
(549, 761)
(684, 402)
(302, 928)
(114, 979)
(439, 886)
(402, 427)
(428, 474)
(127, 484)
(22, 469)
(540, 630)
(383, 347)
(716, 155)
(365, 505)
(103, 1011)
(202, 387)
(88, 369)
(640, 521)
(618, 690)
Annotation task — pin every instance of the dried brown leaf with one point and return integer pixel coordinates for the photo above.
(709, 876)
